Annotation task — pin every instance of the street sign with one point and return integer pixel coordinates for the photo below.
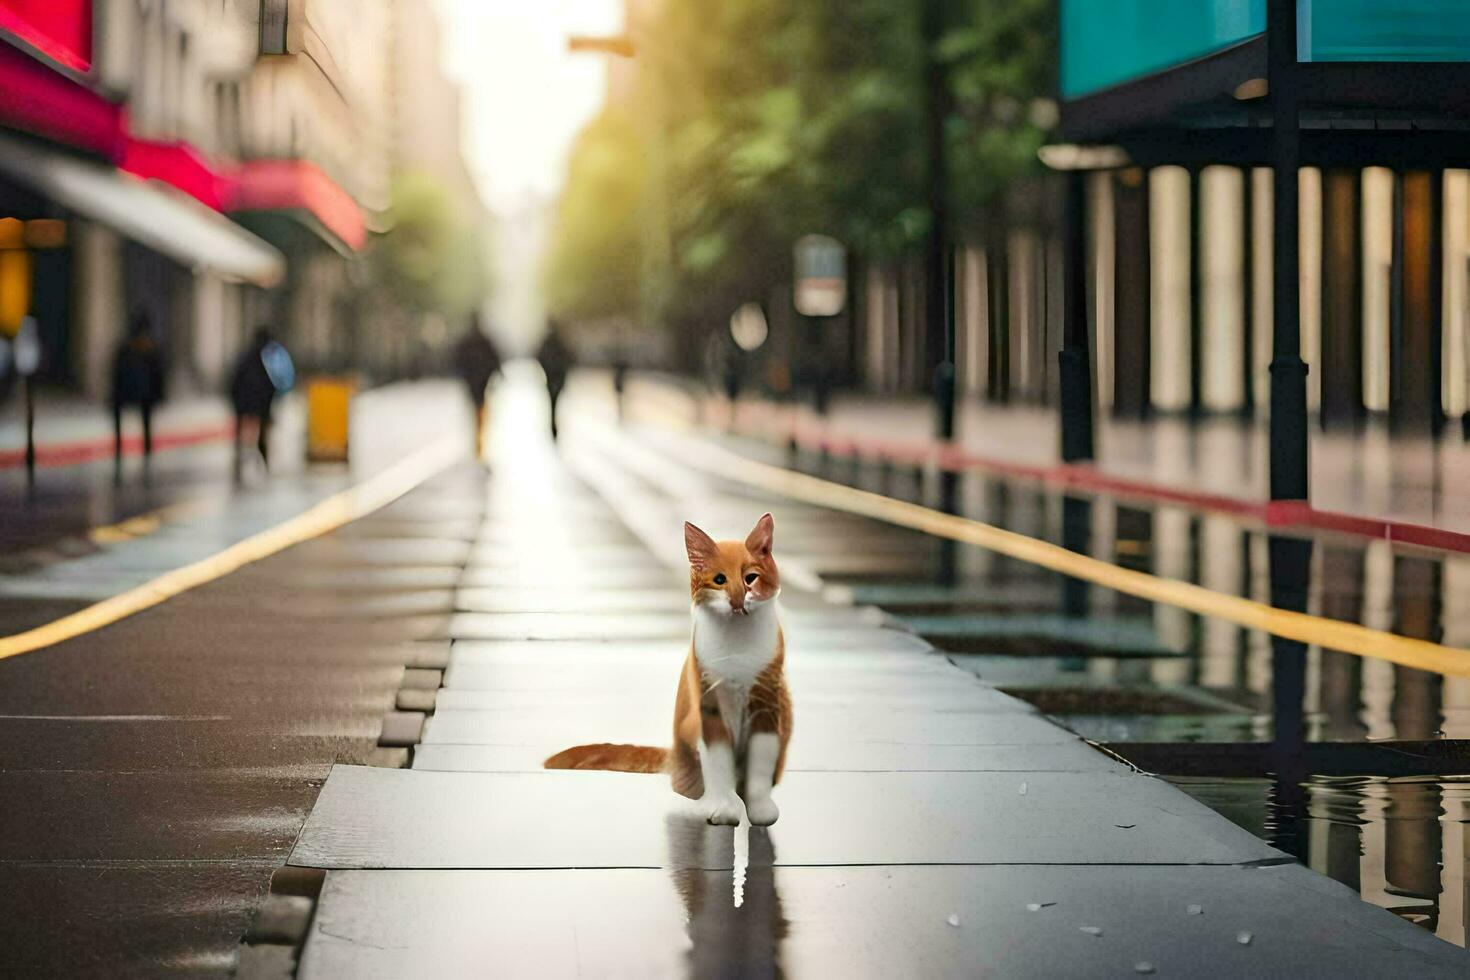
(821, 276)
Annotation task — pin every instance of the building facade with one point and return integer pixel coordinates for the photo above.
(213, 164)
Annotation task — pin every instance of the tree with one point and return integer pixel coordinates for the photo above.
(432, 258)
(596, 254)
(758, 121)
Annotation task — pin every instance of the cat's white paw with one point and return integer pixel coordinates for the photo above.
(763, 812)
(725, 811)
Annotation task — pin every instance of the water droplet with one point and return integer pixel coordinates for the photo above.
(953, 919)
(1144, 967)
(1092, 930)
(1195, 910)
(1244, 938)
(1038, 906)
(1023, 789)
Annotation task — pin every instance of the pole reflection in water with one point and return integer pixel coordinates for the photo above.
(1076, 536)
(1291, 564)
(735, 929)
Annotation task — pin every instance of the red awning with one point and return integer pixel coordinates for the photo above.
(59, 29)
(298, 185)
(46, 103)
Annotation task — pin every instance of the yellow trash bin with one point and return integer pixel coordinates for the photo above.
(328, 405)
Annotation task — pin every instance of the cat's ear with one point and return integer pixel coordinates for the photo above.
(701, 547)
(759, 541)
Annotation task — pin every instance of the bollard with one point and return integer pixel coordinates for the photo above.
(328, 406)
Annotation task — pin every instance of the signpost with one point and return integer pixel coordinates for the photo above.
(27, 363)
(821, 276)
(820, 293)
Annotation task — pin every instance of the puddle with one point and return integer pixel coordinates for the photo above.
(1118, 669)
(1403, 844)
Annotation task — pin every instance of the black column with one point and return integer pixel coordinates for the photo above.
(997, 269)
(1290, 558)
(1288, 372)
(938, 256)
(1131, 299)
(1075, 366)
(1196, 296)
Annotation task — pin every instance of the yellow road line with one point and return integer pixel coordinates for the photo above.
(1314, 630)
(339, 509)
(145, 524)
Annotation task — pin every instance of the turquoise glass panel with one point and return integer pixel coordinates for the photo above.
(1106, 42)
(1382, 30)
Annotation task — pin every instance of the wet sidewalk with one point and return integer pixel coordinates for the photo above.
(1370, 483)
(83, 533)
(931, 826)
(71, 430)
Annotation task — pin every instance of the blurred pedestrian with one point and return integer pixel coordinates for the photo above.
(476, 361)
(556, 361)
(263, 371)
(137, 380)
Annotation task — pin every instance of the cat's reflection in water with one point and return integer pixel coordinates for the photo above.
(729, 940)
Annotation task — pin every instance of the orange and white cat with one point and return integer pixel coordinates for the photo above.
(732, 713)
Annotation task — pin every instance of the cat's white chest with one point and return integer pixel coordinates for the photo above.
(732, 651)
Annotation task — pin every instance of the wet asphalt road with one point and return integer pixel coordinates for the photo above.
(156, 772)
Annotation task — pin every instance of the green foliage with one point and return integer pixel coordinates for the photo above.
(597, 252)
(1002, 68)
(757, 121)
(432, 258)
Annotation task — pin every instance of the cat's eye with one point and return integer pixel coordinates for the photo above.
(720, 579)
(750, 578)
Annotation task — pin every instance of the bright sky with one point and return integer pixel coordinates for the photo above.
(525, 94)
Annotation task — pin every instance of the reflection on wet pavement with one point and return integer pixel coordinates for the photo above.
(1117, 669)
(735, 920)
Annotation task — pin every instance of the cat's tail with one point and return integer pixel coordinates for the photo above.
(611, 758)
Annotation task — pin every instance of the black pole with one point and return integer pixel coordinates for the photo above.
(938, 276)
(1288, 372)
(1289, 558)
(1075, 365)
(938, 304)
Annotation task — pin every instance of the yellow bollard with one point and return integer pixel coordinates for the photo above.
(328, 405)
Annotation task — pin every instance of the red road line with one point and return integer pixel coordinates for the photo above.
(90, 450)
(1283, 514)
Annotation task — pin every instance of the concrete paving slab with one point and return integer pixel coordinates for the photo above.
(406, 818)
(416, 699)
(488, 577)
(833, 754)
(359, 553)
(374, 578)
(648, 722)
(548, 550)
(851, 922)
(401, 728)
(569, 626)
(932, 698)
(556, 600)
(866, 651)
(657, 673)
